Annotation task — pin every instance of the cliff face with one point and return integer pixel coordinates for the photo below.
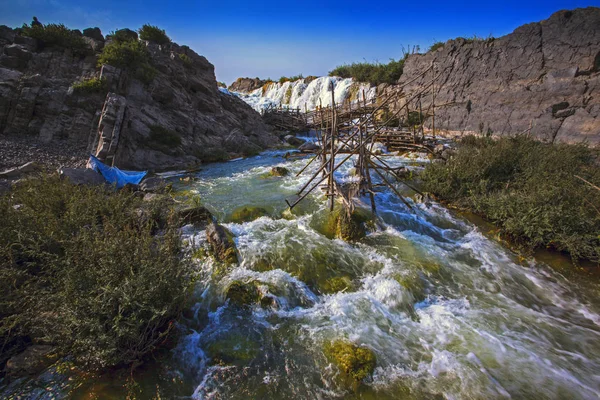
(544, 76)
(124, 122)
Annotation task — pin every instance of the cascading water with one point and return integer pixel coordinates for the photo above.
(448, 313)
(307, 96)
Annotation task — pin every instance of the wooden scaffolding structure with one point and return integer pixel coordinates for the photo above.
(349, 131)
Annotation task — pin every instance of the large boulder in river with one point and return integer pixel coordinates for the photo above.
(221, 242)
(293, 140)
(309, 147)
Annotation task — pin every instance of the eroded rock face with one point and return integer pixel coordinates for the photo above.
(544, 76)
(37, 99)
(246, 85)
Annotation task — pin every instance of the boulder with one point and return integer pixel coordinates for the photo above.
(155, 184)
(195, 215)
(221, 242)
(82, 176)
(279, 171)
(18, 51)
(31, 361)
(18, 172)
(309, 147)
(293, 140)
(355, 362)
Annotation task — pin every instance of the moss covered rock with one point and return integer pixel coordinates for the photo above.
(247, 214)
(221, 242)
(354, 361)
(353, 227)
(279, 171)
(243, 294)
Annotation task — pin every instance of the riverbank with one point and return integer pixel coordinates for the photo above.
(537, 194)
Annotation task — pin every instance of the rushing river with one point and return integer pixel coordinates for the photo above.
(448, 313)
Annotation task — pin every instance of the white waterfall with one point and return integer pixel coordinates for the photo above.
(302, 95)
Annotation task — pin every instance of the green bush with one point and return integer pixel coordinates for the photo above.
(90, 86)
(163, 136)
(57, 35)
(153, 34)
(82, 269)
(123, 35)
(435, 46)
(129, 55)
(294, 78)
(374, 74)
(528, 188)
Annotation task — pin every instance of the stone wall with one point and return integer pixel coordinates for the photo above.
(543, 78)
(37, 100)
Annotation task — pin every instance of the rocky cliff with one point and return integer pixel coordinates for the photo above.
(177, 119)
(543, 78)
(246, 85)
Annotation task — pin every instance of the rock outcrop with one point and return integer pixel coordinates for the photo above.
(246, 85)
(124, 122)
(544, 78)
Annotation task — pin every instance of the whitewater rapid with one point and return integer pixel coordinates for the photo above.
(473, 323)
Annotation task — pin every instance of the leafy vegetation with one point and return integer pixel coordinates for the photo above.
(373, 73)
(90, 86)
(82, 271)
(164, 137)
(530, 189)
(57, 35)
(130, 55)
(154, 34)
(293, 78)
(123, 35)
(435, 46)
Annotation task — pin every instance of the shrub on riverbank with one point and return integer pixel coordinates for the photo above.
(374, 74)
(530, 189)
(81, 269)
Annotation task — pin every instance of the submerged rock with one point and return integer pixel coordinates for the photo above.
(247, 214)
(233, 349)
(356, 362)
(221, 242)
(279, 171)
(243, 294)
(351, 227)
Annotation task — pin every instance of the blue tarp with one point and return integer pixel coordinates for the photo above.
(115, 175)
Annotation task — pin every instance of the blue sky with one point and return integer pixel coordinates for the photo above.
(275, 38)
